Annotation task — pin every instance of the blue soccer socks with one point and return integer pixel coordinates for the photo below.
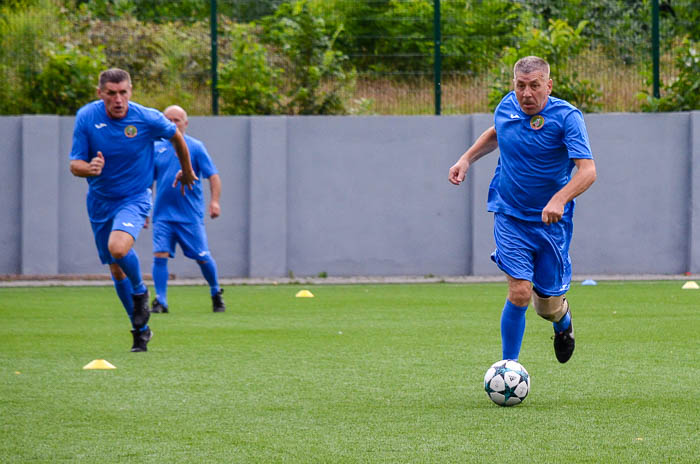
(563, 324)
(208, 268)
(132, 268)
(124, 291)
(160, 279)
(512, 329)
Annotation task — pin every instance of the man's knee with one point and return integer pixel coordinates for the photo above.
(119, 244)
(118, 251)
(552, 308)
(519, 292)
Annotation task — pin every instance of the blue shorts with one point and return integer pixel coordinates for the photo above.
(128, 215)
(191, 237)
(534, 251)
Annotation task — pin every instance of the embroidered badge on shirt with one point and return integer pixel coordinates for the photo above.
(130, 131)
(536, 122)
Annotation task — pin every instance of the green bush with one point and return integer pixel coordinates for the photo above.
(67, 80)
(556, 45)
(318, 76)
(162, 11)
(396, 37)
(24, 33)
(130, 44)
(247, 83)
(683, 92)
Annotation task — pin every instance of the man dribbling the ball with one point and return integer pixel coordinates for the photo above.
(541, 139)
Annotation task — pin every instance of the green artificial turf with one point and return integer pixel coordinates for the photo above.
(360, 373)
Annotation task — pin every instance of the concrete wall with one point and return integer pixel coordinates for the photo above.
(365, 196)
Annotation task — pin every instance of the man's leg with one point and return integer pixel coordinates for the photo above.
(208, 267)
(120, 247)
(160, 282)
(193, 241)
(141, 335)
(556, 310)
(551, 281)
(513, 317)
(124, 290)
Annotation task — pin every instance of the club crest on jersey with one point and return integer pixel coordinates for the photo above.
(130, 131)
(536, 122)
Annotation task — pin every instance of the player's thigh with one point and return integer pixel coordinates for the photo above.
(192, 238)
(164, 238)
(515, 251)
(131, 216)
(553, 264)
(101, 232)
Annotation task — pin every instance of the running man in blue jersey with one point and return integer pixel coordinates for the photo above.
(180, 219)
(541, 138)
(113, 149)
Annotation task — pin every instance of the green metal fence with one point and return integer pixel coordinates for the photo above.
(392, 56)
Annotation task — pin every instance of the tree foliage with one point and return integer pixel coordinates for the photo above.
(317, 74)
(248, 84)
(683, 92)
(557, 44)
(303, 56)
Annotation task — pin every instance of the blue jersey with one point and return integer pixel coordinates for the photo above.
(126, 144)
(170, 204)
(536, 158)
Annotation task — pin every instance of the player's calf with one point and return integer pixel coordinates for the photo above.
(556, 310)
(141, 310)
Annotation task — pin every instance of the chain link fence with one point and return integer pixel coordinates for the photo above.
(335, 56)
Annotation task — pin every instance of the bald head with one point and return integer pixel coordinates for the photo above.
(178, 116)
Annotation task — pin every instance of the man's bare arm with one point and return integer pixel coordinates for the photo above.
(486, 143)
(186, 175)
(582, 179)
(80, 168)
(215, 186)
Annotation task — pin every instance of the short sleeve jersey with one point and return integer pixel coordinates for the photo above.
(536, 159)
(170, 204)
(126, 144)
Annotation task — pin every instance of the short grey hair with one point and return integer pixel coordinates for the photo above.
(528, 64)
(113, 75)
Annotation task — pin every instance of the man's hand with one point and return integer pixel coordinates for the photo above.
(552, 212)
(96, 164)
(187, 179)
(458, 172)
(214, 209)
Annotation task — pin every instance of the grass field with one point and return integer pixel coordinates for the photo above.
(360, 373)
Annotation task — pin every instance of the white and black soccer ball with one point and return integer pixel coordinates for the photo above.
(507, 383)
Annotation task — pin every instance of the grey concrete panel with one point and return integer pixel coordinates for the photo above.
(366, 195)
(268, 196)
(694, 235)
(40, 135)
(369, 195)
(481, 175)
(634, 219)
(11, 195)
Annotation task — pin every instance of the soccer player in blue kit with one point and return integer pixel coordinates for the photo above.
(541, 138)
(178, 219)
(113, 149)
